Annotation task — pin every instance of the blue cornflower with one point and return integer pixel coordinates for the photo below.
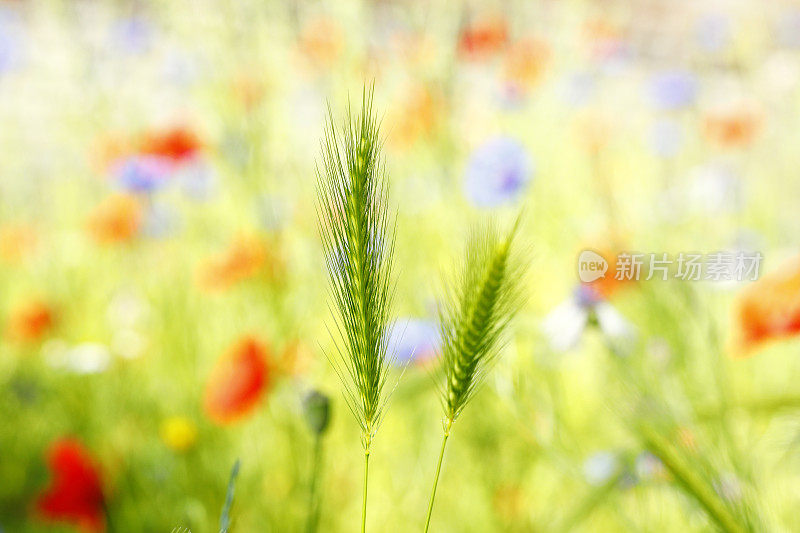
(413, 340)
(673, 89)
(497, 172)
(142, 174)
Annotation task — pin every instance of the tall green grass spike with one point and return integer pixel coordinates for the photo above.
(473, 319)
(476, 313)
(358, 240)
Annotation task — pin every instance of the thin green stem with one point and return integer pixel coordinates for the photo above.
(109, 523)
(313, 503)
(436, 477)
(364, 503)
(692, 482)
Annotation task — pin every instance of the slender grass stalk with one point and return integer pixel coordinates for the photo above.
(692, 481)
(358, 240)
(473, 320)
(313, 498)
(317, 413)
(225, 517)
(436, 478)
(364, 499)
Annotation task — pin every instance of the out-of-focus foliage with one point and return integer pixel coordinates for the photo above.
(163, 287)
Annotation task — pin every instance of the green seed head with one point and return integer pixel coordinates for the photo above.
(476, 313)
(316, 408)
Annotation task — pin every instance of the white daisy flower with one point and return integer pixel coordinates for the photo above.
(600, 467)
(564, 326)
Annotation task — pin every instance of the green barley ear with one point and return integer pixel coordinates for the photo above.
(475, 313)
(473, 321)
(358, 240)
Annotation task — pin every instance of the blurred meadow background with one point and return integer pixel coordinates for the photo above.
(163, 293)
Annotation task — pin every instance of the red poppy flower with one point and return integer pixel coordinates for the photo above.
(237, 382)
(75, 493)
(31, 321)
(484, 37)
(770, 307)
(178, 144)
